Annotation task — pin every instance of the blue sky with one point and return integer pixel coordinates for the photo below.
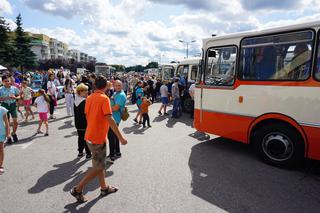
(138, 31)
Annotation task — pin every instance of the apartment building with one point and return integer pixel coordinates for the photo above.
(40, 45)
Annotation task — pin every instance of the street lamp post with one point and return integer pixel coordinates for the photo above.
(187, 43)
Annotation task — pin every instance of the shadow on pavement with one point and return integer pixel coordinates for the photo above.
(72, 208)
(67, 125)
(61, 174)
(160, 118)
(136, 129)
(74, 133)
(228, 175)
(92, 186)
(200, 136)
(183, 119)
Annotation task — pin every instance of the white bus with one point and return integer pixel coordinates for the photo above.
(167, 71)
(105, 70)
(263, 88)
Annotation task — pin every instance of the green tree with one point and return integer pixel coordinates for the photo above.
(152, 64)
(6, 48)
(24, 57)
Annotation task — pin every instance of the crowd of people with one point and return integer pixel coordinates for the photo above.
(95, 102)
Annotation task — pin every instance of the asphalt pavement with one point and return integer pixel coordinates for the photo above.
(167, 168)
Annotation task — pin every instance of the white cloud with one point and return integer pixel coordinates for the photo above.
(5, 7)
(113, 33)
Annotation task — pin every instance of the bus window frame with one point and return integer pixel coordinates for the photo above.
(235, 69)
(315, 60)
(279, 33)
(197, 72)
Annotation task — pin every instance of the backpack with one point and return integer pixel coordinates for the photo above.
(125, 114)
(134, 97)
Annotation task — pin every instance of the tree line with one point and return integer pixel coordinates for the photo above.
(15, 47)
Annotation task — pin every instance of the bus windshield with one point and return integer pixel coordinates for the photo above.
(168, 72)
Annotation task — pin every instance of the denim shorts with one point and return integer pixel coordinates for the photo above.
(165, 100)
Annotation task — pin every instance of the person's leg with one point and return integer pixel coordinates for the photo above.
(15, 125)
(81, 141)
(51, 106)
(148, 119)
(102, 180)
(88, 152)
(144, 120)
(67, 98)
(27, 112)
(39, 126)
(90, 175)
(165, 109)
(72, 105)
(47, 127)
(1, 154)
(174, 110)
(161, 109)
(111, 137)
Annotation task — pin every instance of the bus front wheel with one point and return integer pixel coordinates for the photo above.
(279, 145)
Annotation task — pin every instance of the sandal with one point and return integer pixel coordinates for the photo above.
(78, 195)
(108, 190)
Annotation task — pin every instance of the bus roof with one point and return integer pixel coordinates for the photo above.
(194, 60)
(304, 25)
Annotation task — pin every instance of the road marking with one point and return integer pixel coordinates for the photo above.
(203, 175)
(24, 146)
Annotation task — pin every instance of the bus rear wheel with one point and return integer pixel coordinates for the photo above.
(279, 145)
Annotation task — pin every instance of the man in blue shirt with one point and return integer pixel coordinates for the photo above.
(8, 97)
(118, 103)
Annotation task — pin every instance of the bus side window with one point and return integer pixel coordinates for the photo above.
(194, 72)
(317, 71)
(220, 69)
(277, 57)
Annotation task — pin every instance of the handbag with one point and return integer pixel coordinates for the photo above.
(125, 114)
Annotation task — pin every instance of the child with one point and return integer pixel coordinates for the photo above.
(43, 104)
(80, 119)
(144, 111)
(26, 95)
(4, 132)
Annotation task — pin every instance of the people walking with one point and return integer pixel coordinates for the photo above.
(118, 103)
(176, 112)
(99, 119)
(139, 94)
(52, 92)
(4, 133)
(191, 93)
(164, 92)
(9, 96)
(69, 96)
(43, 105)
(26, 95)
(80, 119)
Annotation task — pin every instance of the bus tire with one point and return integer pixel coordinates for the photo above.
(279, 145)
(188, 105)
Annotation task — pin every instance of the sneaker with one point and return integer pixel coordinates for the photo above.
(9, 140)
(80, 155)
(47, 134)
(159, 113)
(149, 126)
(166, 113)
(39, 132)
(117, 155)
(1, 170)
(78, 195)
(135, 120)
(15, 138)
(110, 160)
(88, 156)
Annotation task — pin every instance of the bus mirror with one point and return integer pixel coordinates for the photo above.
(212, 54)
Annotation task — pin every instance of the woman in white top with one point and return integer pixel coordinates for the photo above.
(68, 91)
(52, 93)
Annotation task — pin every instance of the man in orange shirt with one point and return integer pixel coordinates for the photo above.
(99, 118)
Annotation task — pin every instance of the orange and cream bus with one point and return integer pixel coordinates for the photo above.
(263, 88)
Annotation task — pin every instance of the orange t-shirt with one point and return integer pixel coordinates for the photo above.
(145, 107)
(97, 107)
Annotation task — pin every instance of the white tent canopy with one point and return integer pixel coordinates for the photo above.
(2, 67)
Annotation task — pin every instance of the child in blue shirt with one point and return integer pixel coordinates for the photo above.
(4, 133)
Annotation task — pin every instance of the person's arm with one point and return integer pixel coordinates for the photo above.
(115, 129)
(6, 122)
